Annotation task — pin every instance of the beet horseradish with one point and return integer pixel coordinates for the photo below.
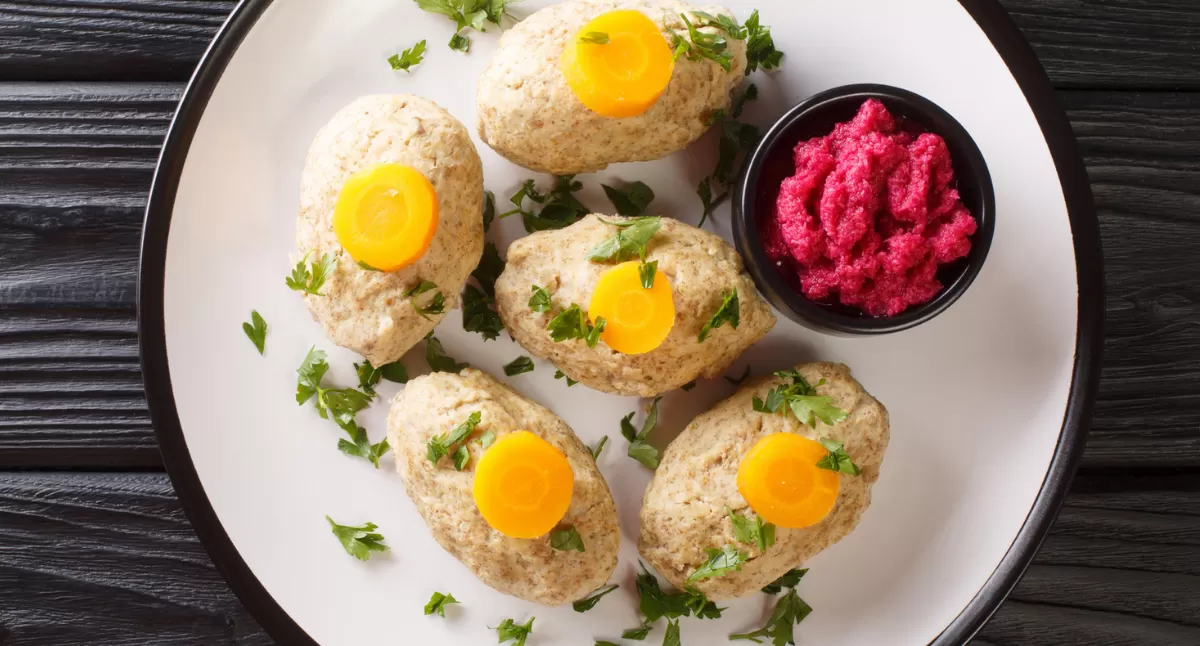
(869, 216)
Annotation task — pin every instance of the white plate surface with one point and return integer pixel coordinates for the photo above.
(977, 396)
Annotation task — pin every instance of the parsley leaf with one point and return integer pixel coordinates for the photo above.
(369, 376)
(437, 358)
(311, 372)
(735, 138)
(360, 446)
(586, 604)
(671, 637)
(790, 579)
(461, 457)
(599, 448)
(605, 642)
(628, 242)
(340, 405)
(740, 380)
(729, 312)
(409, 58)
(438, 602)
(760, 47)
(558, 374)
(632, 200)
(489, 209)
(439, 446)
(837, 459)
(508, 630)
(466, 14)
(359, 541)
(699, 604)
(647, 271)
(700, 45)
(720, 562)
(487, 439)
(559, 208)
(594, 38)
(539, 301)
(656, 604)
(311, 281)
(572, 323)
(518, 366)
(637, 634)
(752, 530)
(460, 43)
(478, 315)
(256, 330)
(436, 305)
(639, 448)
(780, 628)
(802, 400)
(566, 540)
(364, 266)
(489, 269)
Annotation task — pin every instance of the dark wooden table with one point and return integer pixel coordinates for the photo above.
(94, 548)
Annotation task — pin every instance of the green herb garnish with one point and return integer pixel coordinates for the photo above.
(566, 540)
(789, 580)
(359, 541)
(435, 306)
(460, 43)
(671, 637)
(780, 628)
(736, 138)
(589, 602)
(466, 14)
(310, 281)
(438, 602)
(437, 358)
(559, 208)
(369, 376)
(339, 404)
(632, 200)
(802, 400)
(637, 634)
(539, 300)
(364, 266)
(360, 446)
(558, 374)
(639, 448)
(489, 210)
(487, 439)
(462, 455)
(594, 38)
(598, 449)
(837, 459)
(510, 631)
(489, 269)
(409, 58)
(752, 531)
(701, 45)
(441, 445)
(760, 46)
(256, 330)
(656, 604)
(720, 562)
(478, 315)
(518, 366)
(629, 242)
(572, 323)
(647, 271)
(729, 312)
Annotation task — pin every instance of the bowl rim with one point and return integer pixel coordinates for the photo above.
(813, 315)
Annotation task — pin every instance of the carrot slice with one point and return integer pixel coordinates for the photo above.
(523, 485)
(780, 480)
(386, 216)
(618, 64)
(637, 320)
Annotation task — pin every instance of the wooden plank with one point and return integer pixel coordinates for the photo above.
(1082, 43)
(108, 558)
(76, 161)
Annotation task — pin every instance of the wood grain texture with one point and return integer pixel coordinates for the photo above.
(1082, 43)
(110, 559)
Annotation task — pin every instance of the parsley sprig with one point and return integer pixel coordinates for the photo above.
(632, 200)
(720, 562)
(539, 299)
(438, 602)
(736, 137)
(358, 541)
(438, 360)
(520, 365)
(436, 306)
(802, 400)
(441, 445)
(559, 207)
(256, 330)
(790, 579)
(369, 376)
(360, 446)
(752, 531)
(339, 404)
(656, 604)
(567, 539)
(631, 240)
(466, 14)
(511, 631)
(780, 628)
(479, 312)
(409, 58)
(559, 374)
(639, 448)
(590, 601)
(700, 45)
(598, 449)
(837, 459)
(571, 324)
(310, 279)
(729, 312)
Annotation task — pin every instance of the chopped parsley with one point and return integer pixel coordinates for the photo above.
(441, 445)
(790, 579)
(780, 628)
(760, 46)
(489, 269)
(358, 541)
(656, 604)
(460, 43)
(572, 323)
(558, 374)
(647, 271)
(369, 376)
(837, 459)
(752, 531)
(740, 380)
(729, 312)
(518, 366)
(435, 306)
(629, 242)
(671, 637)
(632, 200)
(566, 539)
(559, 208)
(438, 602)
(487, 439)
(637, 634)
(510, 631)
(639, 448)
(339, 404)
(409, 58)
(462, 456)
(802, 400)
(736, 137)
(539, 300)
(489, 209)
(360, 446)
(720, 562)
(437, 358)
(598, 449)
(256, 330)
(594, 38)
(479, 315)
(364, 266)
(310, 281)
(466, 14)
(700, 45)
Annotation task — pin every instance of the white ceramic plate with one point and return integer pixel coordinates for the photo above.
(987, 401)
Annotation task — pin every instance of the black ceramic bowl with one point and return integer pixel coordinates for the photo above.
(771, 162)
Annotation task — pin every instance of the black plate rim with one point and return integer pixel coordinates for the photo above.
(1039, 92)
